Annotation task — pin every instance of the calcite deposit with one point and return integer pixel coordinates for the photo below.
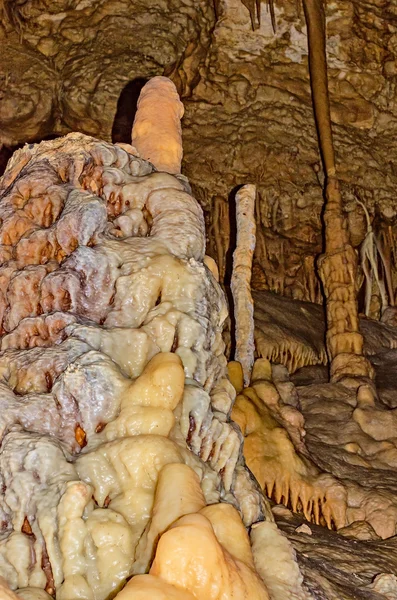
(134, 461)
(118, 456)
(240, 285)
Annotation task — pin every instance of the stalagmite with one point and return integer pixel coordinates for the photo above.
(157, 133)
(337, 268)
(241, 279)
(113, 380)
(178, 493)
(216, 572)
(273, 565)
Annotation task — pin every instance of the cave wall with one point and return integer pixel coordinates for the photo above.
(256, 90)
(65, 63)
(248, 114)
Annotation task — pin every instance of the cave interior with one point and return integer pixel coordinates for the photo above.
(198, 300)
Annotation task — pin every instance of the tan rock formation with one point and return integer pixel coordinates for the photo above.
(275, 453)
(157, 132)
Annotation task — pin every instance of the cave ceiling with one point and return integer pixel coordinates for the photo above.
(70, 65)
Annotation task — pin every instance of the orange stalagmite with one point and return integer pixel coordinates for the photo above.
(198, 553)
(157, 133)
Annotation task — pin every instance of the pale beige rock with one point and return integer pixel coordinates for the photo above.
(241, 279)
(142, 587)
(278, 567)
(386, 585)
(304, 529)
(112, 355)
(33, 594)
(359, 530)
(178, 493)
(207, 567)
(5, 592)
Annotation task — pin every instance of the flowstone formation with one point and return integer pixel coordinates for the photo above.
(321, 450)
(118, 457)
(325, 453)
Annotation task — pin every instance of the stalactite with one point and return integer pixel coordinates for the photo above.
(369, 261)
(219, 233)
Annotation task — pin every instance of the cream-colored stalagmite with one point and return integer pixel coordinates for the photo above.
(274, 556)
(157, 133)
(115, 398)
(241, 279)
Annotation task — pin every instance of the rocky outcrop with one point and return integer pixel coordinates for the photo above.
(112, 367)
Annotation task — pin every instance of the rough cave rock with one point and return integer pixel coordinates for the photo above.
(135, 460)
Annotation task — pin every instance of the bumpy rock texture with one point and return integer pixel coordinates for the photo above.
(271, 139)
(248, 113)
(323, 450)
(115, 405)
(326, 451)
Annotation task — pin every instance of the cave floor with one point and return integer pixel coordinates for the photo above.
(353, 439)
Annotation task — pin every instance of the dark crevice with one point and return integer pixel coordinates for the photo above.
(126, 110)
(229, 266)
(5, 154)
